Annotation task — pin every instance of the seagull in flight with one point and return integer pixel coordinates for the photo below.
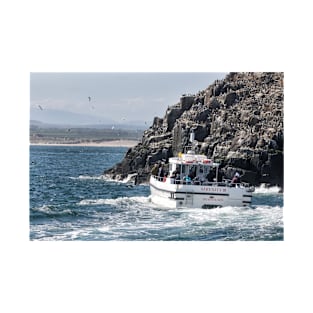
(89, 98)
(40, 107)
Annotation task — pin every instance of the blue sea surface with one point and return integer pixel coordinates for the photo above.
(70, 199)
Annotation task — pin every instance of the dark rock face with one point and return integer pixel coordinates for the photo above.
(237, 121)
(230, 99)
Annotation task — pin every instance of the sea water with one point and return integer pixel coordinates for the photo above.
(71, 199)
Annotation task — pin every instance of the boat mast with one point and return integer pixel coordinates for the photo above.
(192, 141)
(192, 136)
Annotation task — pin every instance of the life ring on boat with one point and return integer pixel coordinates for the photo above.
(206, 161)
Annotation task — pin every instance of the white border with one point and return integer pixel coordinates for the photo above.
(154, 36)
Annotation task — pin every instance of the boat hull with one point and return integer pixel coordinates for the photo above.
(168, 194)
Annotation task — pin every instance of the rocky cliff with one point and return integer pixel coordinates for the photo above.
(237, 121)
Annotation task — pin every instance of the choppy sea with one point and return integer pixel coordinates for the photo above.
(70, 199)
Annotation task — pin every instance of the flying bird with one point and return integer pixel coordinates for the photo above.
(89, 98)
(40, 107)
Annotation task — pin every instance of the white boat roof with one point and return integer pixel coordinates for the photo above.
(190, 158)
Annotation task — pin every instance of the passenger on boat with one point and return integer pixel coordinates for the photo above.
(196, 180)
(220, 175)
(202, 180)
(235, 180)
(186, 180)
(173, 174)
(161, 172)
(211, 175)
(177, 178)
(173, 177)
(192, 173)
(155, 170)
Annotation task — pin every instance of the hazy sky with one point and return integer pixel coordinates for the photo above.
(114, 96)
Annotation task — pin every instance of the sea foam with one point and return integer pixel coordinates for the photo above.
(267, 190)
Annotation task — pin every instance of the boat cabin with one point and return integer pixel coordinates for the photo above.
(191, 168)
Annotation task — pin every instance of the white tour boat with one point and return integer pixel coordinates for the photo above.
(193, 182)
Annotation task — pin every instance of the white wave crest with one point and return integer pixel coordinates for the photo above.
(88, 177)
(107, 178)
(43, 209)
(117, 201)
(49, 210)
(129, 178)
(266, 190)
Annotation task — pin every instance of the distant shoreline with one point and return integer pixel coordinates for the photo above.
(111, 143)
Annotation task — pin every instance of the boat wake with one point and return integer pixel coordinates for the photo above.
(137, 218)
(121, 201)
(262, 189)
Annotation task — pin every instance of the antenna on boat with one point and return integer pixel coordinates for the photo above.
(192, 141)
(192, 136)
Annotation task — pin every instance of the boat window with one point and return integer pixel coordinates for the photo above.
(199, 170)
(206, 170)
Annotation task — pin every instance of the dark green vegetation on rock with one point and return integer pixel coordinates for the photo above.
(238, 121)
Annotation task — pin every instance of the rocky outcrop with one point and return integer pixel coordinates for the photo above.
(237, 121)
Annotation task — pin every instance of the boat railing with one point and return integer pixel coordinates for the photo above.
(224, 183)
(160, 178)
(238, 185)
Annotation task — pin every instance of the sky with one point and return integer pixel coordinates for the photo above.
(115, 97)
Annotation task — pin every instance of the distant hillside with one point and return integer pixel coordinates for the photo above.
(72, 135)
(49, 116)
(136, 125)
(237, 121)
